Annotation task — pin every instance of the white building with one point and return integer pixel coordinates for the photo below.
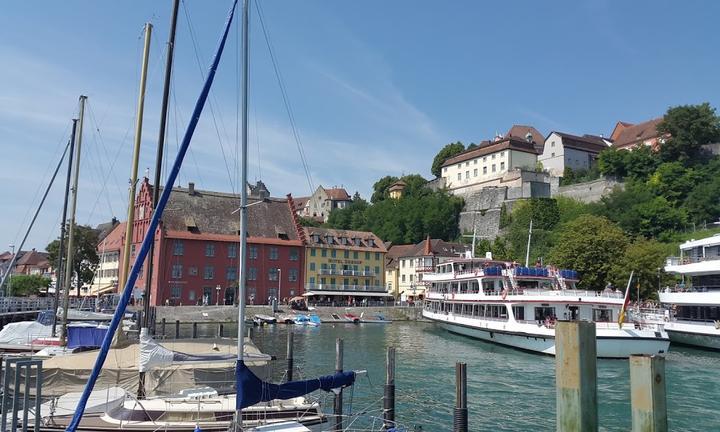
(486, 164)
(108, 250)
(564, 150)
(322, 202)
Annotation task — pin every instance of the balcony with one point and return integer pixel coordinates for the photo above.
(693, 265)
(345, 288)
(341, 272)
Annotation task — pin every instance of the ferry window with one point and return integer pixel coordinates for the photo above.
(544, 312)
(602, 315)
(519, 312)
(463, 287)
(474, 287)
(488, 286)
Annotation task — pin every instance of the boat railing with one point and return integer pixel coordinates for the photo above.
(675, 260)
(684, 289)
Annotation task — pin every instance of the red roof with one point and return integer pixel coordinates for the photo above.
(486, 148)
(632, 135)
(337, 194)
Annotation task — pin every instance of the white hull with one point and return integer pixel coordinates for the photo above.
(611, 343)
(704, 335)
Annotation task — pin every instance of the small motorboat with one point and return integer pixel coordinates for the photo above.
(308, 320)
(352, 318)
(377, 319)
(287, 319)
(264, 319)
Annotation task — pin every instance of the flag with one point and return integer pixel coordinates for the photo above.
(626, 302)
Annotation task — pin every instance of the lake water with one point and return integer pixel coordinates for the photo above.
(508, 390)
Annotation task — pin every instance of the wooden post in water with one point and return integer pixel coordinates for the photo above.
(338, 401)
(177, 329)
(576, 376)
(460, 416)
(162, 327)
(389, 396)
(220, 330)
(647, 393)
(194, 331)
(290, 360)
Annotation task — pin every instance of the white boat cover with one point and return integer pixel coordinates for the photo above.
(23, 333)
(153, 355)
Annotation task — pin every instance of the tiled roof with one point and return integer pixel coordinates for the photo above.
(438, 247)
(520, 132)
(32, 258)
(487, 147)
(300, 202)
(587, 143)
(636, 134)
(104, 229)
(207, 212)
(337, 194)
(113, 241)
(332, 238)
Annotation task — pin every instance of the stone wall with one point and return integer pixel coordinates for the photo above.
(228, 314)
(590, 191)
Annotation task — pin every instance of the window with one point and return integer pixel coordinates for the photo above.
(192, 271)
(252, 273)
(459, 176)
(273, 253)
(313, 252)
(403, 278)
(356, 255)
(132, 249)
(502, 154)
(484, 158)
(273, 274)
(209, 272)
(402, 263)
(377, 256)
(552, 154)
(333, 253)
(411, 277)
(209, 249)
(175, 291)
(552, 143)
(191, 295)
(541, 313)
(493, 168)
(484, 170)
(232, 251)
(177, 271)
(332, 281)
(312, 280)
(467, 163)
(294, 254)
(231, 273)
(324, 252)
(377, 270)
(293, 275)
(444, 169)
(602, 315)
(519, 312)
(367, 255)
(253, 252)
(493, 156)
(475, 162)
(475, 172)
(347, 254)
(467, 175)
(502, 166)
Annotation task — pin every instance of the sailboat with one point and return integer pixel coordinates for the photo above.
(255, 401)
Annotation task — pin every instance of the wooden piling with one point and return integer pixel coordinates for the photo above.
(220, 330)
(177, 329)
(389, 395)
(647, 393)
(194, 330)
(162, 327)
(460, 416)
(290, 360)
(338, 401)
(576, 376)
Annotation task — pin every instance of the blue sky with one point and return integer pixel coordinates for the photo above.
(376, 87)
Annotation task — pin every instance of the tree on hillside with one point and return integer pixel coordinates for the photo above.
(545, 215)
(689, 128)
(647, 259)
(673, 181)
(637, 164)
(25, 285)
(444, 154)
(702, 204)
(85, 257)
(593, 246)
(351, 217)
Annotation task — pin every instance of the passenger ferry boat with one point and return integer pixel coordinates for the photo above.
(518, 306)
(693, 307)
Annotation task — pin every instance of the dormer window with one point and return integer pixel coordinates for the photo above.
(343, 240)
(316, 238)
(357, 241)
(371, 242)
(329, 239)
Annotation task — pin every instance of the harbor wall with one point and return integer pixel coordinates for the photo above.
(228, 314)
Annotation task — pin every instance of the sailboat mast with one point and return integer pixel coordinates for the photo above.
(136, 157)
(61, 248)
(156, 182)
(71, 224)
(243, 186)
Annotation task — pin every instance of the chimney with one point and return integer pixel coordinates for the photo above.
(191, 188)
(428, 246)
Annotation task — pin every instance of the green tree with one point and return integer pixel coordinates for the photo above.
(702, 203)
(638, 164)
(593, 246)
(673, 181)
(545, 215)
(351, 217)
(25, 285)
(646, 258)
(612, 163)
(444, 154)
(85, 257)
(380, 188)
(505, 217)
(308, 222)
(688, 128)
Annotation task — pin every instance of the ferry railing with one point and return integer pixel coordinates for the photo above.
(675, 260)
(693, 288)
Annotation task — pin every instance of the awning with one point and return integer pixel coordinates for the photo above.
(348, 293)
(105, 289)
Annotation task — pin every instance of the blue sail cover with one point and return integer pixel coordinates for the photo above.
(252, 390)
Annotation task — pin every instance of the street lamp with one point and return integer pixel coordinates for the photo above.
(218, 288)
(279, 283)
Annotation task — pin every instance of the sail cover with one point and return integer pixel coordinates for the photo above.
(153, 355)
(252, 390)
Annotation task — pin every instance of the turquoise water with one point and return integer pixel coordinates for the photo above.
(508, 390)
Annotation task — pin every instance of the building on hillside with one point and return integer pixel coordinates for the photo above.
(258, 190)
(109, 250)
(396, 189)
(392, 267)
(527, 133)
(344, 267)
(627, 136)
(563, 150)
(487, 164)
(323, 201)
(414, 261)
(197, 248)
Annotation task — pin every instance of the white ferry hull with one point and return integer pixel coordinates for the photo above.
(611, 343)
(694, 334)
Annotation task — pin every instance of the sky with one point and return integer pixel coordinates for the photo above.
(375, 88)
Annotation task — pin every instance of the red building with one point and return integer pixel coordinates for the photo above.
(197, 248)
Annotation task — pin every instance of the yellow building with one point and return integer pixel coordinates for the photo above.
(396, 189)
(344, 267)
